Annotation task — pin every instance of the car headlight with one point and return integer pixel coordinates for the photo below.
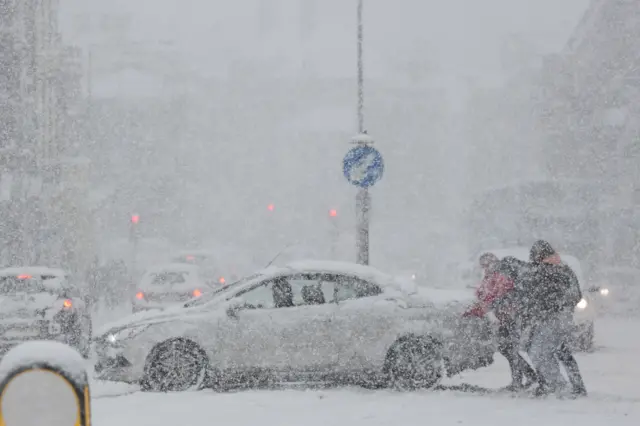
(582, 304)
(126, 333)
(604, 291)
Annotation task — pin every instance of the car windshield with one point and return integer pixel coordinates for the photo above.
(169, 278)
(20, 284)
(211, 295)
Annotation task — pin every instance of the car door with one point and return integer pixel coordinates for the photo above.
(257, 339)
(296, 337)
(366, 322)
(306, 328)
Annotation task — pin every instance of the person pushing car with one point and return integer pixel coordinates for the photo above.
(493, 295)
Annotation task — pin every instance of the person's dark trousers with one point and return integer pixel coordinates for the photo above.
(566, 358)
(509, 342)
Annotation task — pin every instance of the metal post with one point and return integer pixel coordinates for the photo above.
(363, 199)
(360, 71)
(363, 204)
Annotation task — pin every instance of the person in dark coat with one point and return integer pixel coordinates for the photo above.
(493, 295)
(547, 296)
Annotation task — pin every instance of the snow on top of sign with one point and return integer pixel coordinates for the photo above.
(55, 354)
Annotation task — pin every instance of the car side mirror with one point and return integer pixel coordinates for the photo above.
(236, 306)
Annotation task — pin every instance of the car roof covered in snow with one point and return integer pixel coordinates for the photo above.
(32, 270)
(197, 253)
(172, 267)
(363, 272)
(522, 253)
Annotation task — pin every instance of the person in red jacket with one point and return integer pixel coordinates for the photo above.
(493, 295)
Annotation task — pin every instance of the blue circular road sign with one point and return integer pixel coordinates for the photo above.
(363, 166)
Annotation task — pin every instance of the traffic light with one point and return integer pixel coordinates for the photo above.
(333, 213)
(134, 228)
(271, 207)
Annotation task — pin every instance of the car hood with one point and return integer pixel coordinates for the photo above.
(444, 297)
(24, 304)
(148, 317)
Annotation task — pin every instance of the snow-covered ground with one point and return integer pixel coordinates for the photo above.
(611, 373)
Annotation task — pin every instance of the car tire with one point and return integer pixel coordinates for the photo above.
(175, 365)
(414, 362)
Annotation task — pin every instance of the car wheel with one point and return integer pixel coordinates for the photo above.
(414, 362)
(175, 365)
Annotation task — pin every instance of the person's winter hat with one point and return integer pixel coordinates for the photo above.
(488, 259)
(540, 251)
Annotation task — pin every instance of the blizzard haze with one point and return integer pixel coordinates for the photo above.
(205, 112)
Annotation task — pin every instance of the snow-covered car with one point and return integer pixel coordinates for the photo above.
(164, 286)
(617, 290)
(214, 266)
(583, 332)
(309, 321)
(37, 303)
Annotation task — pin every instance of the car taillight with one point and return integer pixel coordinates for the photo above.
(197, 293)
(139, 295)
(67, 304)
(221, 280)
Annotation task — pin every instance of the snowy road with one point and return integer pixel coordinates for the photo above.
(611, 373)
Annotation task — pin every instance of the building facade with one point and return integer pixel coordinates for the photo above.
(38, 90)
(589, 114)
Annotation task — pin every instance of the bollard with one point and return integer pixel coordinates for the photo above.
(44, 383)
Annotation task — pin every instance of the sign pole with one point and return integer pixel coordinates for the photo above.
(363, 165)
(363, 203)
(363, 199)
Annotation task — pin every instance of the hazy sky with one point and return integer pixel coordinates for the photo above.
(464, 35)
(460, 39)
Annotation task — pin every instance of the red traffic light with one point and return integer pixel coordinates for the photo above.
(135, 219)
(333, 212)
(271, 207)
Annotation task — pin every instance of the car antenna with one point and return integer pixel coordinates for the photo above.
(278, 254)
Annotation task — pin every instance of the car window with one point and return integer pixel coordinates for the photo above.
(348, 287)
(260, 296)
(312, 289)
(169, 278)
(290, 291)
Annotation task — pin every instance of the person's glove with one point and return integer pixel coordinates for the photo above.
(474, 310)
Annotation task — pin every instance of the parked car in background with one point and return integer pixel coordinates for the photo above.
(38, 303)
(215, 267)
(305, 322)
(168, 285)
(618, 289)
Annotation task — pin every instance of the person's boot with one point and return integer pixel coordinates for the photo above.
(543, 391)
(579, 391)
